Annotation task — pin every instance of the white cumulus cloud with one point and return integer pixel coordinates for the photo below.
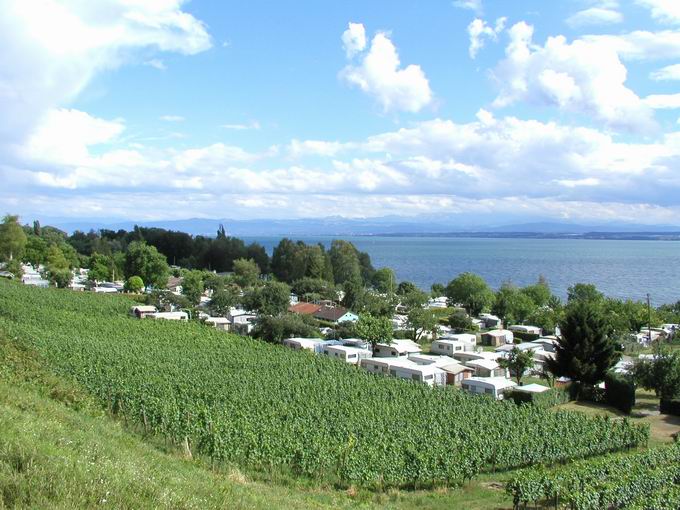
(583, 76)
(380, 75)
(354, 39)
(478, 30)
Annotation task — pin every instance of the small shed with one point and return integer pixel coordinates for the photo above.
(141, 311)
(221, 323)
(497, 337)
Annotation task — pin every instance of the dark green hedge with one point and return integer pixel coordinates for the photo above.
(670, 407)
(550, 398)
(619, 392)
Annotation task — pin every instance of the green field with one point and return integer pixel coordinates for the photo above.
(258, 413)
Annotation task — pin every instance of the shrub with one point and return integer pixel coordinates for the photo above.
(619, 392)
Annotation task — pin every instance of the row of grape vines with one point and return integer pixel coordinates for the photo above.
(649, 479)
(266, 407)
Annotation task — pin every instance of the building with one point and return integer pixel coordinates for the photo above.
(169, 316)
(495, 387)
(396, 348)
(497, 337)
(486, 368)
(141, 311)
(526, 330)
(547, 343)
(345, 353)
(221, 323)
(335, 314)
(524, 346)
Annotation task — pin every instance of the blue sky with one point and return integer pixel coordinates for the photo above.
(501, 110)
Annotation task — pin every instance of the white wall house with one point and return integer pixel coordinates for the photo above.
(142, 311)
(493, 386)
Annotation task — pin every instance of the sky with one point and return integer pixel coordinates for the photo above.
(566, 110)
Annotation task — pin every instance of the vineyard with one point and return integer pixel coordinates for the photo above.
(262, 406)
(649, 480)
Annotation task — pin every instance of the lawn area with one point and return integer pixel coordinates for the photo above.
(646, 410)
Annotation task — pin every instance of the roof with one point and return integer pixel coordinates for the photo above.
(144, 308)
(498, 383)
(497, 332)
(456, 368)
(217, 320)
(174, 281)
(346, 348)
(304, 308)
(461, 337)
(532, 388)
(402, 346)
(483, 363)
(305, 342)
(429, 359)
(330, 313)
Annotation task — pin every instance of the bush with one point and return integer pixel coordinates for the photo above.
(619, 392)
(524, 337)
(550, 398)
(670, 407)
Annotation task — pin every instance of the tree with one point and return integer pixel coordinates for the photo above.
(661, 374)
(311, 289)
(134, 284)
(246, 272)
(545, 318)
(278, 328)
(222, 300)
(35, 252)
(512, 305)
(420, 321)
(437, 290)
(58, 271)
(414, 298)
(144, 261)
(584, 292)
(383, 280)
(374, 330)
(517, 362)
(272, 298)
(192, 286)
(12, 238)
(100, 267)
(471, 291)
(585, 352)
(345, 261)
(213, 282)
(539, 293)
(460, 321)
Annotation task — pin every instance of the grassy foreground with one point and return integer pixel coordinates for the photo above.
(59, 449)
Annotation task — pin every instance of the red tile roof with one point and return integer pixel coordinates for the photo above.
(304, 308)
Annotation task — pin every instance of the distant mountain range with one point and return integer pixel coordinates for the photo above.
(393, 225)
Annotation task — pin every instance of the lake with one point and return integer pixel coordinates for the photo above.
(622, 269)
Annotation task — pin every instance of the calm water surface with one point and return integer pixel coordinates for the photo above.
(623, 269)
